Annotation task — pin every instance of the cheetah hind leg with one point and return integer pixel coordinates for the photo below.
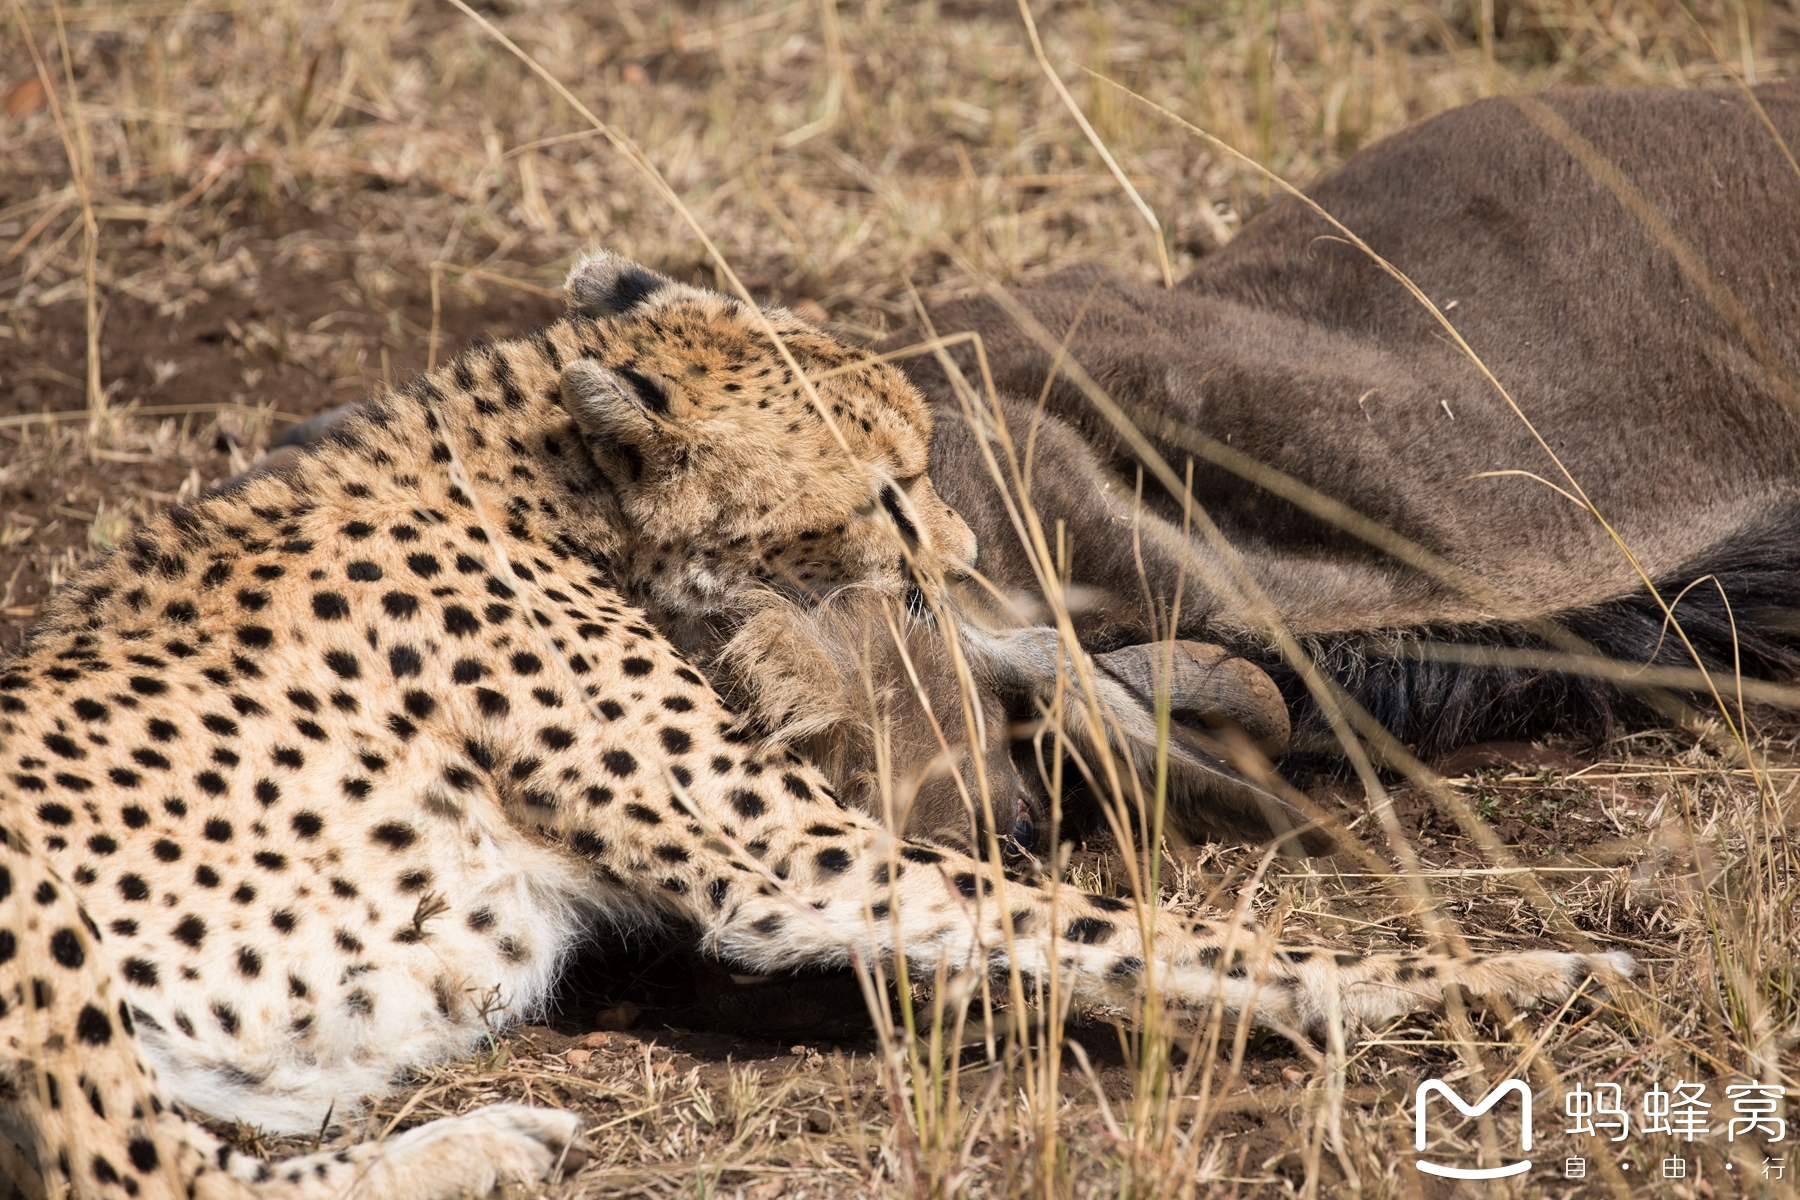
(75, 1083)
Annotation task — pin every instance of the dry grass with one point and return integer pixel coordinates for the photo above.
(254, 208)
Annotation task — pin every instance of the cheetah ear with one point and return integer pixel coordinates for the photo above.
(605, 285)
(610, 415)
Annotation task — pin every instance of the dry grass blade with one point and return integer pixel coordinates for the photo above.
(79, 151)
(1062, 92)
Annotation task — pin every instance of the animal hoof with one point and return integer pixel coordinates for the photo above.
(1019, 843)
(286, 450)
(1207, 685)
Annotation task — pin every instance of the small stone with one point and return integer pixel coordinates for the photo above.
(594, 1041)
(619, 1017)
(27, 97)
(579, 1058)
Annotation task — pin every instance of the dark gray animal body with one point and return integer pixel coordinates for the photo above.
(1662, 372)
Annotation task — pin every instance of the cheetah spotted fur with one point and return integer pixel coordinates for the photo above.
(321, 777)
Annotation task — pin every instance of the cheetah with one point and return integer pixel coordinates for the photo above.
(321, 777)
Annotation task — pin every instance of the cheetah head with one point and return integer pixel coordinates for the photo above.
(788, 535)
(733, 475)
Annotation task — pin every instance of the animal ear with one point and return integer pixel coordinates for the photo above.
(608, 412)
(605, 285)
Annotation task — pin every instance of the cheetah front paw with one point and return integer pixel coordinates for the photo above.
(470, 1155)
(1603, 972)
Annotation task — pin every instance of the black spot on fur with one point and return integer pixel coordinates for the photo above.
(399, 605)
(1088, 930)
(404, 662)
(395, 835)
(93, 1027)
(143, 1155)
(330, 606)
(65, 948)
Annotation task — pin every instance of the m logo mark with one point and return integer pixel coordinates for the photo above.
(1473, 1110)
